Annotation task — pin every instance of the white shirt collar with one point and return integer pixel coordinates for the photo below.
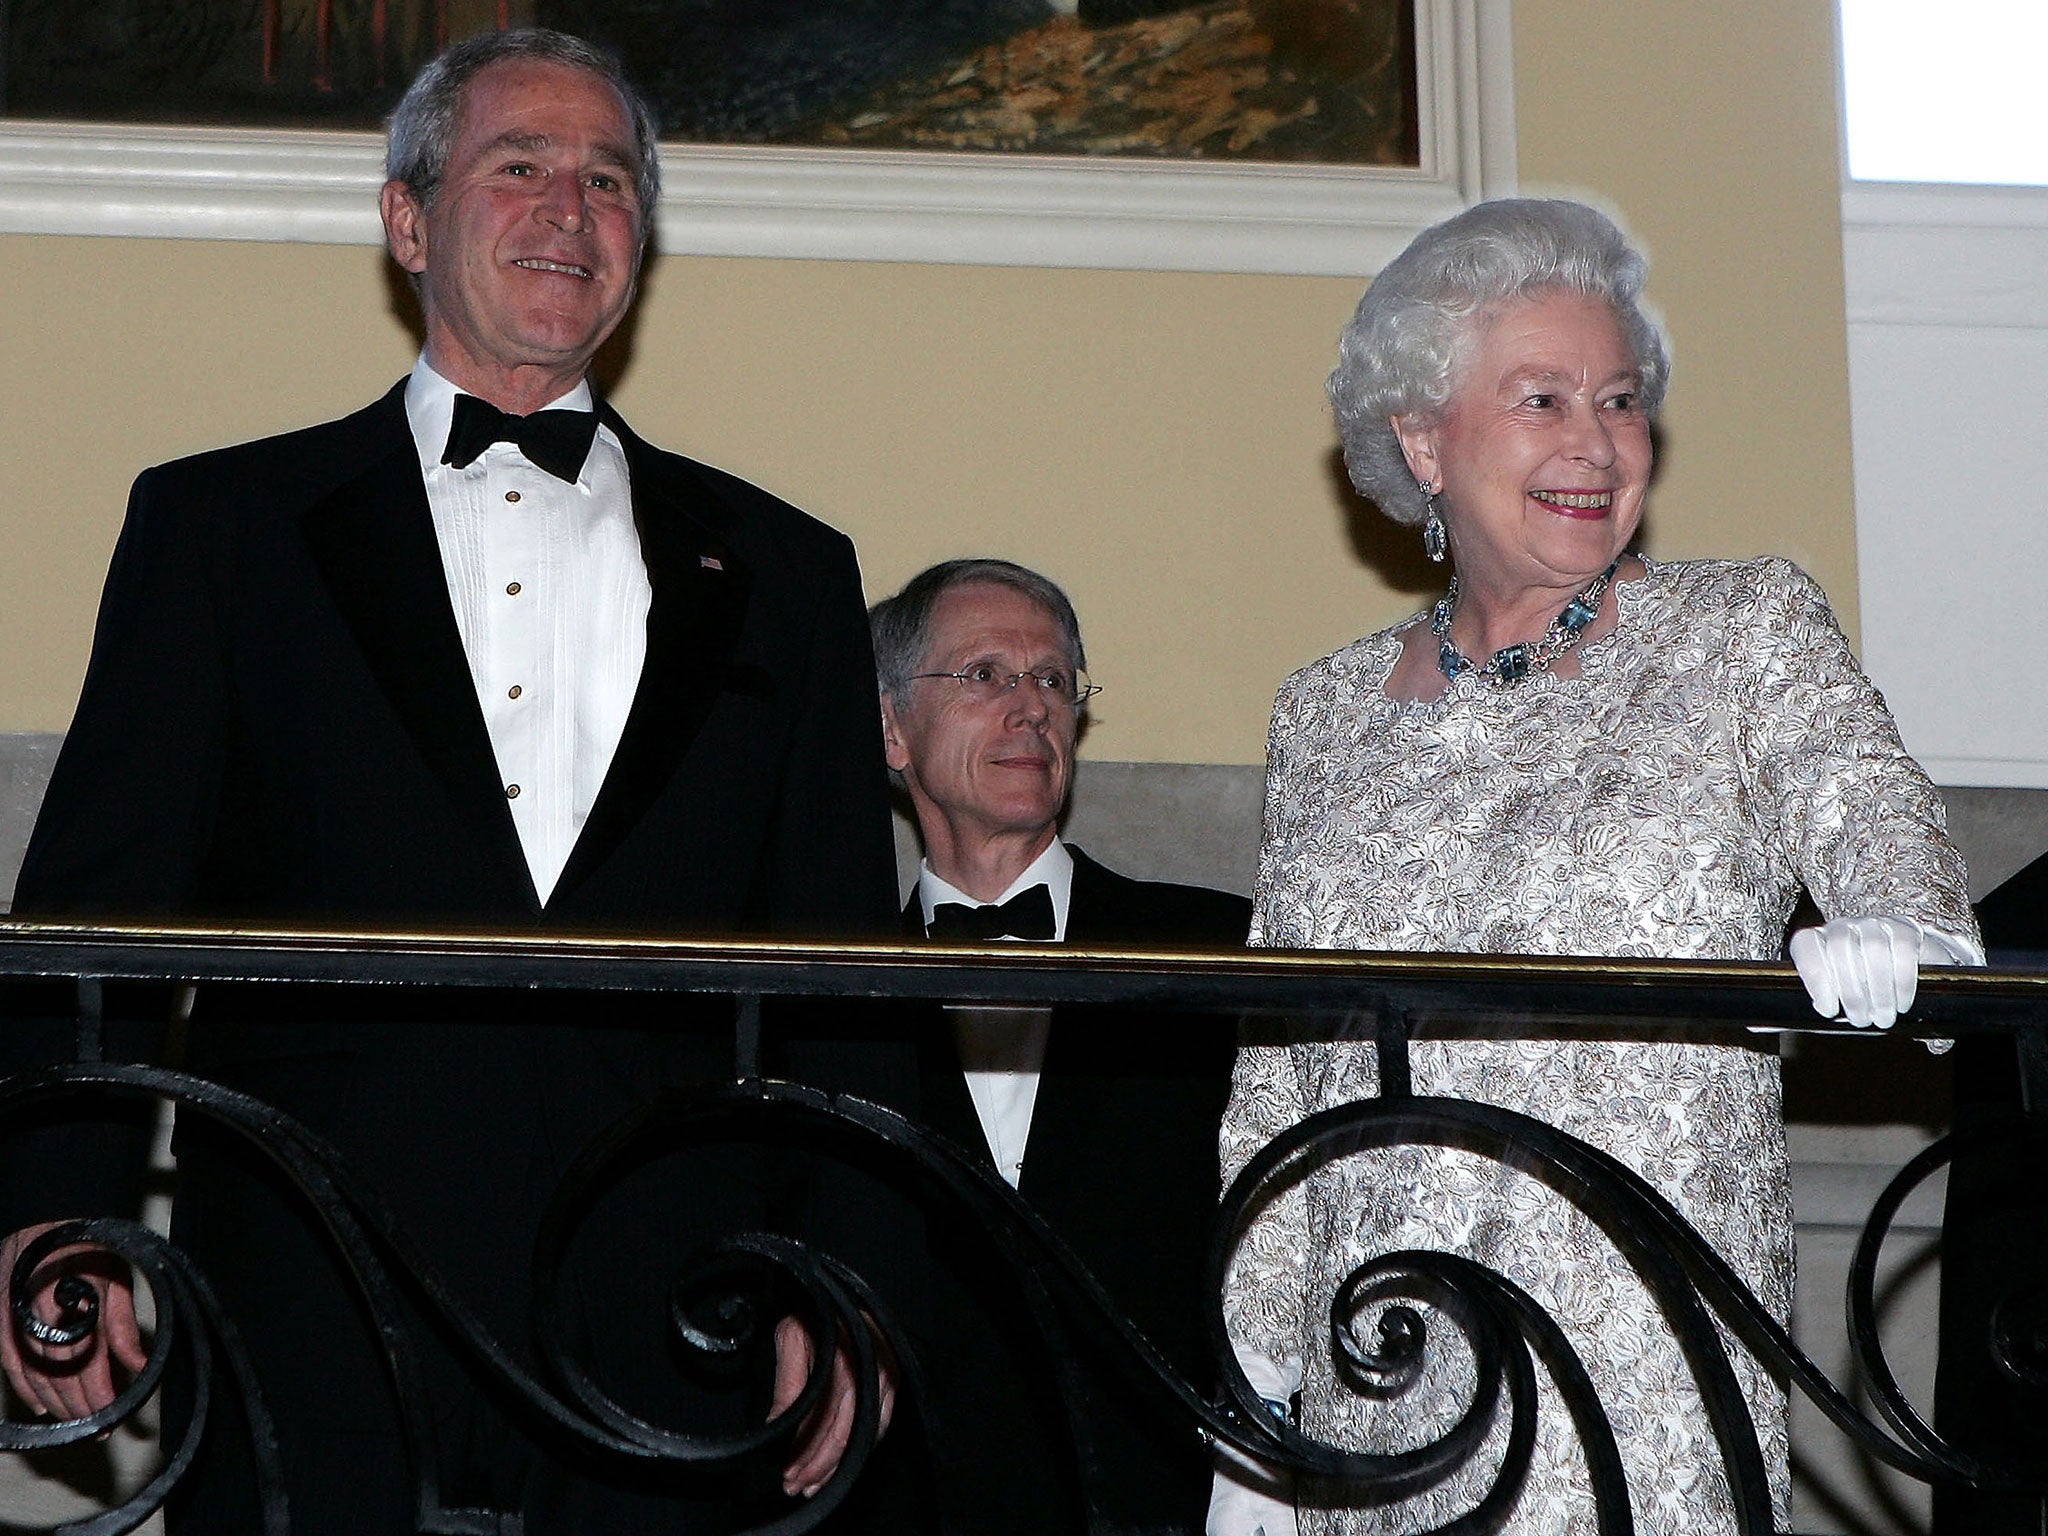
(430, 409)
(1053, 869)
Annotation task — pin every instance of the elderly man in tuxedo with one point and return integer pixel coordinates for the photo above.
(1104, 1121)
(474, 656)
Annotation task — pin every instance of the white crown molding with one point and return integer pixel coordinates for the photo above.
(189, 183)
(1004, 210)
(1944, 205)
(1920, 254)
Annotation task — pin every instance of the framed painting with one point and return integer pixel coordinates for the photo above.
(1229, 135)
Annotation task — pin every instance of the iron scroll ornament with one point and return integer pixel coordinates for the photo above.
(1681, 1269)
(1506, 1331)
(826, 1298)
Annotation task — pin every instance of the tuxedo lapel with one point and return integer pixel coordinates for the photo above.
(1109, 909)
(1103, 908)
(372, 539)
(699, 593)
(1091, 893)
(943, 1101)
(1059, 1132)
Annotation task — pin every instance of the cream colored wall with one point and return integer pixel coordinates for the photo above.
(1712, 129)
(1156, 441)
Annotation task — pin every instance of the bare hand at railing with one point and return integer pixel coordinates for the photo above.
(824, 1436)
(69, 1381)
(1867, 969)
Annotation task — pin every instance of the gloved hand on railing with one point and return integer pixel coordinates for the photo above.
(1867, 969)
(1248, 1499)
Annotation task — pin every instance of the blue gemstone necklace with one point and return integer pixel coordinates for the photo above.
(1517, 661)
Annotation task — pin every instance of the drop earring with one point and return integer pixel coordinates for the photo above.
(1434, 543)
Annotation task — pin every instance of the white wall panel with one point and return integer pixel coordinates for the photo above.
(1948, 377)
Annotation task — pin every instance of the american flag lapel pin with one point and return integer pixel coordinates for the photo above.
(711, 562)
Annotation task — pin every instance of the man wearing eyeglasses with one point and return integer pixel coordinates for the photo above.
(1104, 1120)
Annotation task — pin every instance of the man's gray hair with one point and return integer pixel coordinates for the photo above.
(901, 625)
(420, 134)
(1406, 347)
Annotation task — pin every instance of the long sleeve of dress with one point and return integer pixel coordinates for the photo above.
(1855, 816)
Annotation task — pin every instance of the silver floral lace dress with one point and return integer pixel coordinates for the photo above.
(1720, 749)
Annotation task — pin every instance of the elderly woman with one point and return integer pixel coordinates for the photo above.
(1575, 750)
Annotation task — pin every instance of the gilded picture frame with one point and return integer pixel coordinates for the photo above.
(847, 203)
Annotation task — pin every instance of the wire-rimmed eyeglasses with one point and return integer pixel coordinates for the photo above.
(985, 682)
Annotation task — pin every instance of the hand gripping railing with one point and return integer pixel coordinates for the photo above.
(722, 1304)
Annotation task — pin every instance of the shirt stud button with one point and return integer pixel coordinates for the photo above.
(511, 589)
(511, 495)
(514, 691)
(511, 791)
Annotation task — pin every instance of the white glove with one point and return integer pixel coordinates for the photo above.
(1248, 1499)
(1867, 969)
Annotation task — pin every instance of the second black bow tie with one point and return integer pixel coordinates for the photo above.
(1026, 915)
(556, 441)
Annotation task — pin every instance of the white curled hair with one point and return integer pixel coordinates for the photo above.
(1405, 348)
(420, 133)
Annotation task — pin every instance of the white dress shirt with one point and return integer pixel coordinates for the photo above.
(1002, 1050)
(550, 596)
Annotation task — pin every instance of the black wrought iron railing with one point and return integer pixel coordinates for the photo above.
(719, 1304)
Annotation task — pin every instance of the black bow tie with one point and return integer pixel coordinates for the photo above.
(556, 441)
(1026, 915)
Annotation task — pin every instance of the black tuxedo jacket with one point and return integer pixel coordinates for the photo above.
(279, 724)
(1121, 1162)
(1994, 1237)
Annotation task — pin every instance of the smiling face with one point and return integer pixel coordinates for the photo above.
(1543, 454)
(983, 775)
(528, 254)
